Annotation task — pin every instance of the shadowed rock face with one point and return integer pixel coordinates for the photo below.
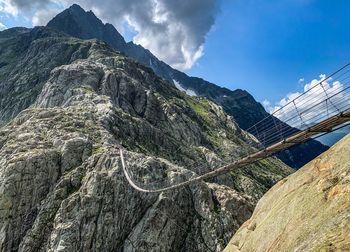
(75, 21)
(307, 211)
(61, 183)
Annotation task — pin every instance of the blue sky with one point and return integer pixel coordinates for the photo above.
(11, 21)
(264, 47)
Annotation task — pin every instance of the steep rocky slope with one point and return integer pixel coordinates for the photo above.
(61, 183)
(26, 59)
(238, 103)
(307, 211)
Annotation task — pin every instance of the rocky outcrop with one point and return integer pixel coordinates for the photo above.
(307, 211)
(76, 22)
(61, 183)
(26, 58)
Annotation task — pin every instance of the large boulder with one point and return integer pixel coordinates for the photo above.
(307, 211)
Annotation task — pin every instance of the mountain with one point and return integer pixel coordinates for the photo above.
(307, 211)
(76, 22)
(67, 106)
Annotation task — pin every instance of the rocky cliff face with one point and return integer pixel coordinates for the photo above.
(26, 59)
(307, 211)
(238, 103)
(61, 183)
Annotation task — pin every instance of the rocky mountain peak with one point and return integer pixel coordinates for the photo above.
(77, 8)
(77, 22)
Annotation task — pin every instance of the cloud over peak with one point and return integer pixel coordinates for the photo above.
(175, 31)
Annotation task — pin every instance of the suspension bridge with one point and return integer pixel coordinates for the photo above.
(323, 107)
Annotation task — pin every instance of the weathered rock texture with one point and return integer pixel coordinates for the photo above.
(61, 183)
(307, 211)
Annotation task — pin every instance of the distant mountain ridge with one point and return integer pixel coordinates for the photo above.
(75, 21)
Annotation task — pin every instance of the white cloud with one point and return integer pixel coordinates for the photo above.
(175, 31)
(2, 26)
(301, 80)
(311, 106)
(267, 105)
(43, 16)
(8, 7)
